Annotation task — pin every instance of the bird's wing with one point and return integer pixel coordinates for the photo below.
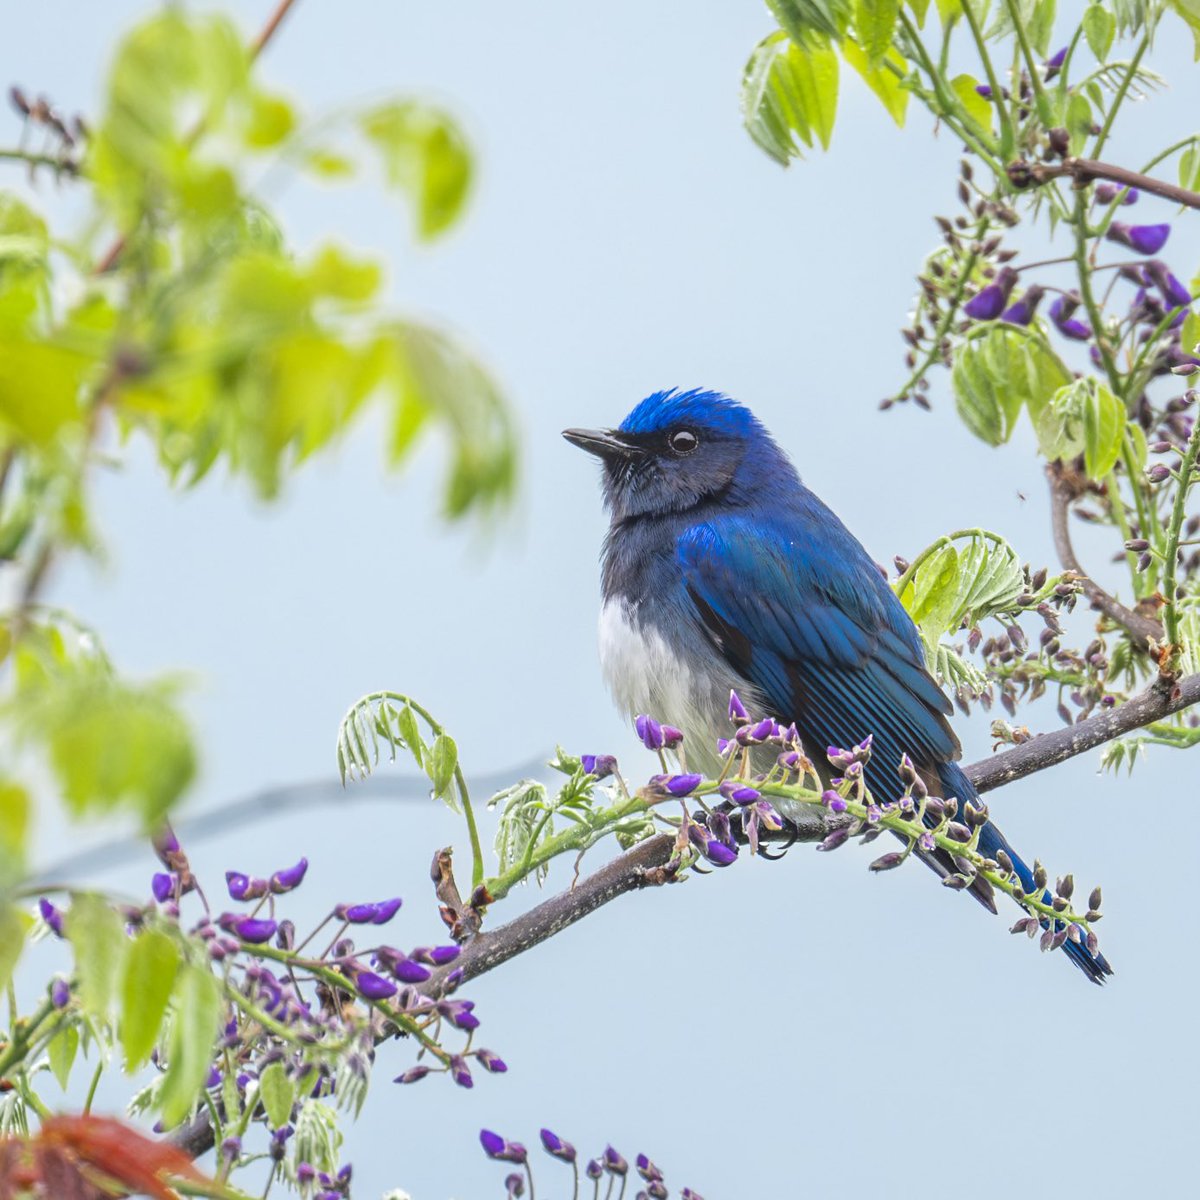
(801, 611)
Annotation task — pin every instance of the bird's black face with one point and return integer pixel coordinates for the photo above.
(669, 468)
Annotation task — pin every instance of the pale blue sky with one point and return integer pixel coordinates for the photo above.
(778, 1027)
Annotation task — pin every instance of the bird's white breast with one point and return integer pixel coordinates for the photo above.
(647, 675)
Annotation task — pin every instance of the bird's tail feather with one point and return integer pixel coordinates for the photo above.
(955, 783)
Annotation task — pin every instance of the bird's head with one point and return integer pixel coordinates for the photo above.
(677, 450)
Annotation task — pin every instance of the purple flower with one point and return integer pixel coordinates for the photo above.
(244, 887)
(1173, 291)
(497, 1147)
(1145, 239)
(491, 1062)
(672, 737)
(737, 710)
(719, 854)
(162, 886)
(254, 930)
(358, 914)
(1158, 472)
(832, 801)
(683, 785)
(385, 910)
(614, 1163)
(373, 987)
(1107, 192)
(305, 1173)
(60, 992)
(51, 915)
(650, 731)
(408, 971)
(554, 1145)
(1060, 314)
(1021, 311)
(441, 955)
(988, 303)
(984, 90)
(600, 765)
(289, 877)
(412, 1075)
(458, 1013)
(1055, 61)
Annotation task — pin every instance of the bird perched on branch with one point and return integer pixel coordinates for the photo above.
(722, 571)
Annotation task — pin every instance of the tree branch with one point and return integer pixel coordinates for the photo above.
(1159, 700)
(1025, 174)
(646, 864)
(1141, 628)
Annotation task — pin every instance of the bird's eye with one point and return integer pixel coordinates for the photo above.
(683, 441)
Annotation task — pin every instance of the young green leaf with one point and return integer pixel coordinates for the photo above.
(440, 764)
(425, 154)
(61, 1053)
(15, 923)
(874, 23)
(195, 1021)
(1099, 27)
(150, 972)
(97, 934)
(885, 83)
(278, 1094)
(1103, 429)
(789, 95)
(978, 108)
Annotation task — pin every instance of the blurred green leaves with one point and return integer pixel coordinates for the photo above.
(424, 153)
(789, 94)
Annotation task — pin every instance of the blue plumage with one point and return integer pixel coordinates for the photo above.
(722, 569)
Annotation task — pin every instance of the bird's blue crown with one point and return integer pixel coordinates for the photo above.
(712, 411)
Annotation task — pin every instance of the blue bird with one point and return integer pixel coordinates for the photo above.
(722, 571)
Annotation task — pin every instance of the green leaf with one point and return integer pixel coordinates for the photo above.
(883, 82)
(1039, 24)
(195, 1021)
(975, 576)
(15, 924)
(318, 1137)
(97, 935)
(425, 154)
(278, 1094)
(61, 1053)
(14, 831)
(40, 387)
(1078, 121)
(1103, 428)
(432, 379)
(1189, 12)
(440, 763)
(149, 979)
(1189, 168)
(1189, 333)
(1059, 424)
(109, 743)
(789, 95)
(406, 726)
(919, 9)
(932, 596)
(998, 372)
(24, 265)
(1099, 27)
(271, 120)
(874, 23)
(803, 18)
(977, 107)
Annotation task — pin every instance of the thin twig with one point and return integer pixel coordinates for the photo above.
(1023, 174)
(1141, 628)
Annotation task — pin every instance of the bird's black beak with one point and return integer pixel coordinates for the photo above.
(604, 443)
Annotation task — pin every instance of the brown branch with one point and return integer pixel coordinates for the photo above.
(646, 865)
(1159, 700)
(1024, 174)
(1141, 628)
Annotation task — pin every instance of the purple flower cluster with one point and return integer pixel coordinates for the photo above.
(611, 1164)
